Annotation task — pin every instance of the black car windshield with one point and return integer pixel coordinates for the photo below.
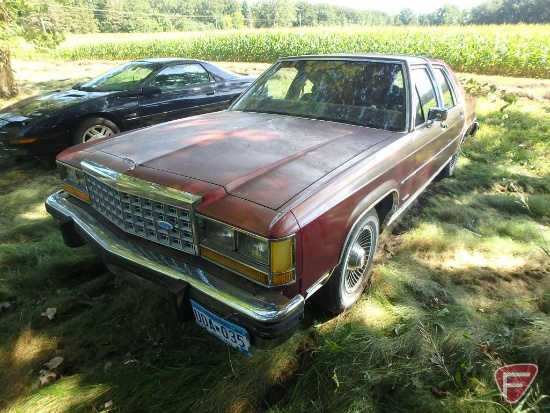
(125, 77)
(358, 92)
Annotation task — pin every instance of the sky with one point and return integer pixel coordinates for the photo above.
(395, 6)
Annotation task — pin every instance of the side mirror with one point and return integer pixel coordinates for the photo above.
(151, 91)
(77, 86)
(437, 114)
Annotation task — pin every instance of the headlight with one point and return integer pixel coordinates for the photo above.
(254, 248)
(73, 181)
(220, 234)
(266, 261)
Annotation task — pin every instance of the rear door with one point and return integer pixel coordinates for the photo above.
(455, 110)
(431, 139)
(185, 89)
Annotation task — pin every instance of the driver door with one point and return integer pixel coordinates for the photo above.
(185, 90)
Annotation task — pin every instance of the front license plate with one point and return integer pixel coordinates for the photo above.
(226, 331)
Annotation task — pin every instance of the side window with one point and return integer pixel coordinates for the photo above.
(448, 98)
(419, 115)
(174, 77)
(426, 95)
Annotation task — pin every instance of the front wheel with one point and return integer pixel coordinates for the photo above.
(352, 275)
(91, 129)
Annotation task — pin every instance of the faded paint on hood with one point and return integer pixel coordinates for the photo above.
(263, 158)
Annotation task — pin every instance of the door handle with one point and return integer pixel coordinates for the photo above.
(210, 93)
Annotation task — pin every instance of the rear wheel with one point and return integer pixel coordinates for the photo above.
(91, 129)
(449, 169)
(352, 275)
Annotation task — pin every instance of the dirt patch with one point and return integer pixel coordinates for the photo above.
(533, 89)
(282, 388)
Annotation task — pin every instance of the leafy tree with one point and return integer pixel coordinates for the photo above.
(264, 15)
(73, 16)
(247, 13)
(284, 12)
(238, 20)
(511, 12)
(306, 14)
(29, 20)
(326, 15)
(406, 16)
(274, 13)
(230, 7)
(447, 15)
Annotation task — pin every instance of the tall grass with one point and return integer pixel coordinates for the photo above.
(493, 50)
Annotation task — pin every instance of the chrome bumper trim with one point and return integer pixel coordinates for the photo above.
(270, 308)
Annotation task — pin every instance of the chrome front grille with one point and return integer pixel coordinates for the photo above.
(145, 217)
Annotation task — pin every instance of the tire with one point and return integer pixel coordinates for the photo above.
(449, 169)
(91, 129)
(352, 275)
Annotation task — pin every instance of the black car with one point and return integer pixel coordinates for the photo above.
(137, 94)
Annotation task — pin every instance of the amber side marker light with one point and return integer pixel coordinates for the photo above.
(282, 279)
(22, 141)
(73, 191)
(235, 266)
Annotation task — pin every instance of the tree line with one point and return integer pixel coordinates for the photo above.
(47, 18)
(45, 22)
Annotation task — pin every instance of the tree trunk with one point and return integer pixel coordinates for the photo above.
(8, 87)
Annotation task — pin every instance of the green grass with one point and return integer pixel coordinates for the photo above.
(460, 287)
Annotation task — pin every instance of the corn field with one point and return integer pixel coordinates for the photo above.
(520, 50)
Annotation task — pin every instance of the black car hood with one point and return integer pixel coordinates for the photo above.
(46, 104)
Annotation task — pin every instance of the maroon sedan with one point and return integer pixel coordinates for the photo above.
(242, 215)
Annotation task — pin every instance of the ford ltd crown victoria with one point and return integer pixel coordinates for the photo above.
(241, 216)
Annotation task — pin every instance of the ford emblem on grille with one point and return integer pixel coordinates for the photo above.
(165, 225)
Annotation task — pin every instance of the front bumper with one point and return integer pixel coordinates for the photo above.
(48, 144)
(269, 317)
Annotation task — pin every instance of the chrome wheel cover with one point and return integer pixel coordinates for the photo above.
(357, 261)
(452, 163)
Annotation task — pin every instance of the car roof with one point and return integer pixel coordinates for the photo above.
(167, 60)
(411, 59)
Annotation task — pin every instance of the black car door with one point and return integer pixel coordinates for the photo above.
(178, 91)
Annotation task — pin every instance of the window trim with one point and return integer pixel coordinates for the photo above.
(436, 89)
(449, 83)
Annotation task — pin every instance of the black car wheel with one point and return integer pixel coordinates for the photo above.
(93, 128)
(352, 275)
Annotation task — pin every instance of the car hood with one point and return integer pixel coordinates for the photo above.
(266, 159)
(36, 107)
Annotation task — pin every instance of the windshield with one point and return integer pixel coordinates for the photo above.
(125, 77)
(359, 92)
